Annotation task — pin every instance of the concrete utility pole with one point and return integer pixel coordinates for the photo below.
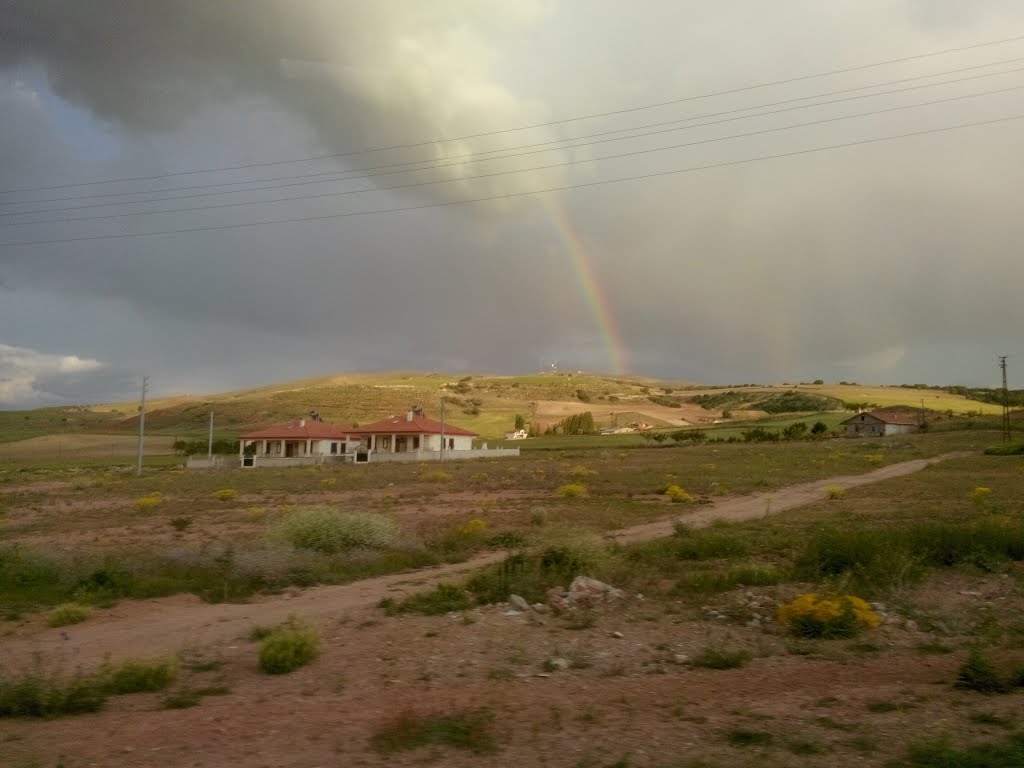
(1006, 401)
(442, 429)
(209, 454)
(142, 425)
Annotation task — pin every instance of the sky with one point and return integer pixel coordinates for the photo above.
(221, 195)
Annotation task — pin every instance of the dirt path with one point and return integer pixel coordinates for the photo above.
(153, 627)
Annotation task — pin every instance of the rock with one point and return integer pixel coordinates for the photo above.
(584, 592)
(557, 663)
(512, 613)
(519, 603)
(540, 608)
(617, 634)
(910, 625)
(681, 658)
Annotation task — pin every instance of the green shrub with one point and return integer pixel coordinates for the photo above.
(835, 492)
(225, 494)
(69, 613)
(182, 700)
(469, 730)
(137, 676)
(326, 530)
(708, 544)
(1008, 449)
(707, 582)
(742, 737)
(939, 753)
(978, 674)
(720, 658)
(445, 598)
(33, 695)
(289, 647)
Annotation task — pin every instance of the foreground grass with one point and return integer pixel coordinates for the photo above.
(940, 753)
(34, 694)
(225, 550)
(471, 730)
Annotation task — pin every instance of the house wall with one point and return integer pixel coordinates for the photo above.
(900, 429)
(864, 425)
(461, 443)
(478, 453)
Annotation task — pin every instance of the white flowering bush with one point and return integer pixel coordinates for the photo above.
(328, 530)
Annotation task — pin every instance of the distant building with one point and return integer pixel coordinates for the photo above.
(879, 424)
(409, 437)
(519, 434)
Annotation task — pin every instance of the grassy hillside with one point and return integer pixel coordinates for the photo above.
(487, 404)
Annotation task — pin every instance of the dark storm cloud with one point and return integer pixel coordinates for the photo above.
(877, 259)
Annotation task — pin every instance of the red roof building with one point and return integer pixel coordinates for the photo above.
(311, 441)
(879, 424)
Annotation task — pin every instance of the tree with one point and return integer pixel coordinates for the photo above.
(795, 431)
(520, 422)
(819, 428)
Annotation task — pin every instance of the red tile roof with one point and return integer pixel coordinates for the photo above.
(888, 417)
(418, 425)
(301, 430)
(895, 418)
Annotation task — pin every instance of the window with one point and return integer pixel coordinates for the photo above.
(416, 443)
(334, 449)
(451, 443)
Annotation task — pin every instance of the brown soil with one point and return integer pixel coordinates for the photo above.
(627, 696)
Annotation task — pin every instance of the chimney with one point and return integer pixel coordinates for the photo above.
(302, 422)
(408, 416)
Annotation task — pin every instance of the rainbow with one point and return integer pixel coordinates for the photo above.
(593, 293)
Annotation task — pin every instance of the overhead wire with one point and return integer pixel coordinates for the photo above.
(449, 160)
(549, 166)
(509, 195)
(549, 123)
(473, 159)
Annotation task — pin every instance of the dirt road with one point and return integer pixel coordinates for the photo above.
(153, 627)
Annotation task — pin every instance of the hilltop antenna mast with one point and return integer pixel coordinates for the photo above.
(1006, 401)
(142, 426)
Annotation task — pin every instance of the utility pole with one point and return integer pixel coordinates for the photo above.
(442, 429)
(142, 425)
(1006, 401)
(209, 453)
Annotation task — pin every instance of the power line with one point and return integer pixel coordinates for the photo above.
(357, 173)
(549, 166)
(562, 121)
(507, 195)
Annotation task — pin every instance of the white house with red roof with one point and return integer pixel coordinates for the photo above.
(409, 437)
(305, 441)
(879, 424)
(412, 433)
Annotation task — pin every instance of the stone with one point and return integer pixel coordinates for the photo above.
(681, 658)
(557, 663)
(584, 592)
(512, 613)
(519, 603)
(617, 634)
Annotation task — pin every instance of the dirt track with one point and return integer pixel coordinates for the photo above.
(152, 627)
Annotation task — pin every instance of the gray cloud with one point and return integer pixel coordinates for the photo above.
(884, 259)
